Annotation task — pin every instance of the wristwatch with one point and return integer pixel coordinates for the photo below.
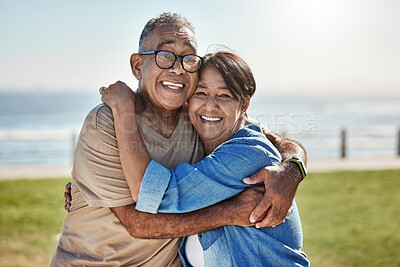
(299, 163)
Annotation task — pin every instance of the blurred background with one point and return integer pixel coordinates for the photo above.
(327, 72)
(321, 67)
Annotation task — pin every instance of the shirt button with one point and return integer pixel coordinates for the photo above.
(200, 236)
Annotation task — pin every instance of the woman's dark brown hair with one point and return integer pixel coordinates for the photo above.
(235, 71)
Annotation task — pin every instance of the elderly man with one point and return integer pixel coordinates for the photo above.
(103, 227)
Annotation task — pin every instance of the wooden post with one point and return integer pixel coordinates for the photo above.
(343, 144)
(398, 142)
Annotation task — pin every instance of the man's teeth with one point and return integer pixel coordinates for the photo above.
(174, 86)
(210, 118)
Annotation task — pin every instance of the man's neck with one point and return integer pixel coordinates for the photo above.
(160, 120)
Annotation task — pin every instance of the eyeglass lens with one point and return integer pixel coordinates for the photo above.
(166, 59)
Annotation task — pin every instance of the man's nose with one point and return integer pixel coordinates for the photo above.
(177, 67)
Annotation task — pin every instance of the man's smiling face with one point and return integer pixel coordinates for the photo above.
(168, 89)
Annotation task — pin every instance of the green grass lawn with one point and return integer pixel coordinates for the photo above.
(31, 216)
(349, 219)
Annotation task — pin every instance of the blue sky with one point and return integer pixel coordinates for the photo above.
(307, 46)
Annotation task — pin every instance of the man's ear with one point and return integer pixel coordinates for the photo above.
(136, 66)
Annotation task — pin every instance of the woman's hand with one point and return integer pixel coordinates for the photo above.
(68, 197)
(118, 96)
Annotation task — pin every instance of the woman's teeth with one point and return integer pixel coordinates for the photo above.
(173, 86)
(210, 118)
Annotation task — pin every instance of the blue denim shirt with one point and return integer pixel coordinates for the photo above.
(216, 178)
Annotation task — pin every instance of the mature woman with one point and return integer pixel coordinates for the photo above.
(234, 151)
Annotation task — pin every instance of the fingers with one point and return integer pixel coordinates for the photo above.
(101, 90)
(257, 177)
(68, 187)
(274, 217)
(261, 209)
(116, 89)
(67, 207)
(274, 207)
(67, 196)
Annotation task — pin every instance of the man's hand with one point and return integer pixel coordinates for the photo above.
(241, 206)
(68, 197)
(281, 183)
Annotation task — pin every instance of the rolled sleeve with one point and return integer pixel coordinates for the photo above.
(153, 187)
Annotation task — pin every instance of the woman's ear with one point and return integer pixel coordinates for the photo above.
(246, 104)
(136, 66)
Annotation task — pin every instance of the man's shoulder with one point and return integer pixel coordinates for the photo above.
(101, 108)
(99, 112)
(100, 117)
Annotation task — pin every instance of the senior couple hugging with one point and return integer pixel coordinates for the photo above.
(175, 173)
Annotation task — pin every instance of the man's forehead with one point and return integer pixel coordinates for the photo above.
(172, 34)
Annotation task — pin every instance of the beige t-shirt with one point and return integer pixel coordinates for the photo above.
(92, 235)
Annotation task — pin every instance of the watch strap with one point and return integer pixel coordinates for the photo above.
(299, 163)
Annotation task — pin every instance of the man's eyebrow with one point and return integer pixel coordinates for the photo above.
(172, 41)
(165, 42)
(191, 46)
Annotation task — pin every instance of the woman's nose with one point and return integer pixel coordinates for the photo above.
(211, 103)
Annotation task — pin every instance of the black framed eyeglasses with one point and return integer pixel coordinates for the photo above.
(166, 59)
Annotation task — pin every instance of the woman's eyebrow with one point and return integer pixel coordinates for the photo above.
(206, 87)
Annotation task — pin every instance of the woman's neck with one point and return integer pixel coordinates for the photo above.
(211, 145)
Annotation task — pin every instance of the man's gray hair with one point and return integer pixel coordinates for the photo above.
(164, 19)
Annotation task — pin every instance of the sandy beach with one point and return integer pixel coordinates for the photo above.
(9, 172)
(324, 165)
(314, 165)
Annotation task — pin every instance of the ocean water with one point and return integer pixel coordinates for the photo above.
(371, 123)
(39, 128)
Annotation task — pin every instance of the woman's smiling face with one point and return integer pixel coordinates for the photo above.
(213, 110)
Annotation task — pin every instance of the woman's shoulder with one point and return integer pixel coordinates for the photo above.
(251, 138)
(251, 133)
